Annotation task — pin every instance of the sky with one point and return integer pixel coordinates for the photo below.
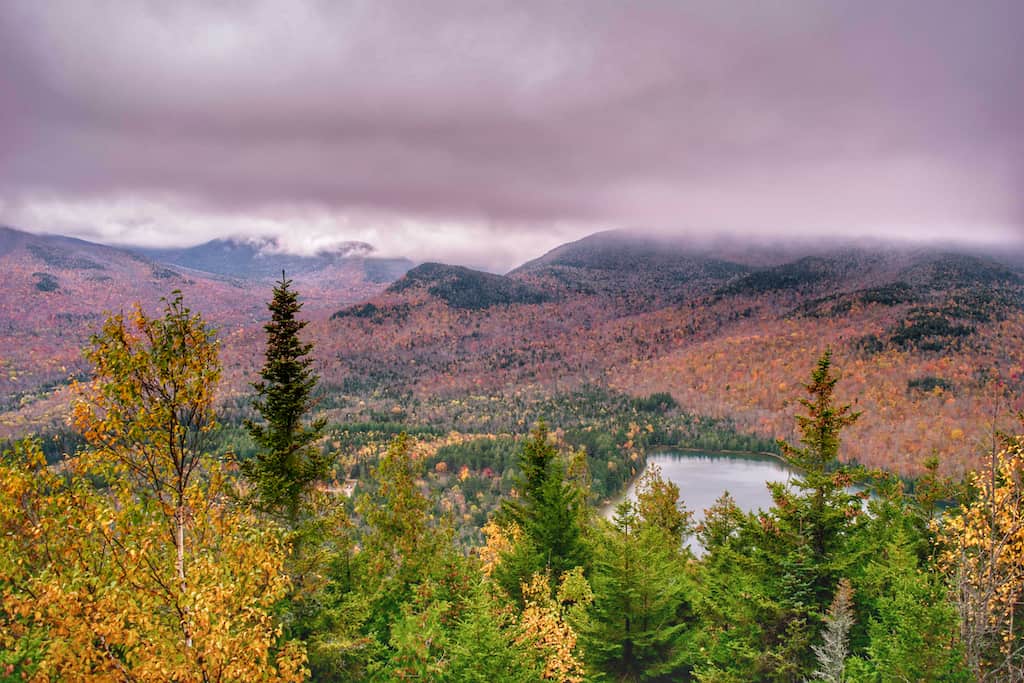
(485, 132)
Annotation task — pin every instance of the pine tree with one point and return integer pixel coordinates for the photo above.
(288, 462)
(638, 622)
(912, 629)
(771, 577)
(814, 517)
(483, 645)
(548, 512)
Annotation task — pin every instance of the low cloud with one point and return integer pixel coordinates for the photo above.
(484, 131)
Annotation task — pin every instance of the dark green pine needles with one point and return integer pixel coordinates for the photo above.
(287, 462)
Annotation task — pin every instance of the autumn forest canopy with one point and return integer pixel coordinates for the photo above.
(498, 341)
(195, 536)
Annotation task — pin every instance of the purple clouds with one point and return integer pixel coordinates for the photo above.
(485, 132)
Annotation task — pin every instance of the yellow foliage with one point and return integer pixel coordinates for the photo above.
(543, 626)
(499, 541)
(983, 545)
(91, 571)
(156, 575)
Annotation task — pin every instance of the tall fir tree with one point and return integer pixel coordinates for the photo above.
(806, 537)
(288, 462)
(637, 627)
(819, 508)
(548, 512)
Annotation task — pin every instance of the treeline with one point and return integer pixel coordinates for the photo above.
(146, 556)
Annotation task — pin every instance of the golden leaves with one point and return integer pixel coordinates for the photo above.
(544, 626)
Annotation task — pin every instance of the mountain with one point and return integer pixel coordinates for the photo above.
(263, 258)
(729, 331)
(619, 263)
(55, 292)
(466, 288)
(927, 339)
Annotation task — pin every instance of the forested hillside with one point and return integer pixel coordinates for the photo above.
(927, 338)
(155, 552)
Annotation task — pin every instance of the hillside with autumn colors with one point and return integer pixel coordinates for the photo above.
(926, 339)
(55, 292)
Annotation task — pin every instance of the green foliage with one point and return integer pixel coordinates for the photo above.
(465, 288)
(798, 275)
(929, 330)
(911, 633)
(63, 260)
(549, 511)
(659, 507)
(46, 282)
(287, 463)
(869, 344)
(888, 295)
(823, 510)
(637, 628)
(389, 608)
(658, 403)
(483, 648)
(373, 313)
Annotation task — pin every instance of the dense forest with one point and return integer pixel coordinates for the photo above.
(169, 542)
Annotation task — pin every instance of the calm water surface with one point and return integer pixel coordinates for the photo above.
(703, 477)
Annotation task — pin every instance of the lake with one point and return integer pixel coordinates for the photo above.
(703, 477)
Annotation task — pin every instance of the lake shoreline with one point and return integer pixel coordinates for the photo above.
(729, 459)
(608, 503)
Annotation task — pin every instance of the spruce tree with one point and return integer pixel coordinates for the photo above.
(548, 512)
(820, 509)
(805, 540)
(288, 462)
(637, 626)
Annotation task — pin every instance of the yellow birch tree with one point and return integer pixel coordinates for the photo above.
(132, 563)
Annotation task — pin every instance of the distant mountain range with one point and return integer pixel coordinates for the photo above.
(927, 339)
(264, 258)
(55, 290)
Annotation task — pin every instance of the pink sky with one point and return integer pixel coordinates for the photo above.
(486, 132)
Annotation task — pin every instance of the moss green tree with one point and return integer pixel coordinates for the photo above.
(287, 463)
(389, 607)
(912, 625)
(638, 624)
(548, 513)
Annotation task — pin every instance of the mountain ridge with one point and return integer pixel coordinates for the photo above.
(726, 330)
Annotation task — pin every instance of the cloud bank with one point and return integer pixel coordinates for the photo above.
(485, 132)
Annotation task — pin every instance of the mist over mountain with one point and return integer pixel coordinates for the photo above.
(264, 258)
(714, 323)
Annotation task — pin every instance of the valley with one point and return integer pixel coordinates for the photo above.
(926, 339)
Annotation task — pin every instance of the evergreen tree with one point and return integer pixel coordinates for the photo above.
(288, 462)
(548, 512)
(388, 607)
(912, 630)
(770, 578)
(483, 646)
(813, 516)
(824, 508)
(637, 625)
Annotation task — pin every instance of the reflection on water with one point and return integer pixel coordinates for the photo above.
(703, 477)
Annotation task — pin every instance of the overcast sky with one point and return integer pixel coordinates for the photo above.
(484, 133)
